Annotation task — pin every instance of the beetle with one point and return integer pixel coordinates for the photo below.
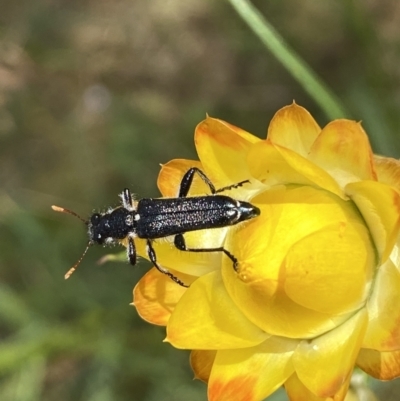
(155, 218)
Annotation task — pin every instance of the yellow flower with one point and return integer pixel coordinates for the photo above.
(317, 290)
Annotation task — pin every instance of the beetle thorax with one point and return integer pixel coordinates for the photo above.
(109, 227)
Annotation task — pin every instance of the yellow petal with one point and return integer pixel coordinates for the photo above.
(294, 128)
(156, 295)
(383, 333)
(379, 204)
(274, 165)
(207, 318)
(381, 365)
(190, 263)
(298, 392)
(201, 362)
(343, 149)
(325, 363)
(388, 171)
(305, 263)
(222, 149)
(170, 176)
(395, 255)
(251, 374)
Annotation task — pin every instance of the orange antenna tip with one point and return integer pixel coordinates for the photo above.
(64, 210)
(73, 268)
(69, 273)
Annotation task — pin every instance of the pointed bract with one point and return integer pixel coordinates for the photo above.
(201, 362)
(294, 128)
(343, 150)
(222, 149)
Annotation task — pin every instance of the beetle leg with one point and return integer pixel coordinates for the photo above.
(179, 242)
(187, 181)
(131, 249)
(126, 197)
(153, 258)
(233, 186)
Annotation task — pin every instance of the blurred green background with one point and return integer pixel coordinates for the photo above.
(94, 95)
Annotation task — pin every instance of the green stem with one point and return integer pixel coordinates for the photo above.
(311, 83)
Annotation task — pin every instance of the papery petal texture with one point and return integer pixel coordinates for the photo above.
(332, 357)
(388, 171)
(202, 362)
(343, 150)
(381, 365)
(297, 391)
(222, 325)
(222, 148)
(379, 204)
(275, 165)
(235, 375)
(294, 128)
(272, 285)
(383, 333)
(155, 297)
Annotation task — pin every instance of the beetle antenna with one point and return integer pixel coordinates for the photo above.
(64, 210)
(73, 268)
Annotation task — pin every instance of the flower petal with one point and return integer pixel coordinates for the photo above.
(274, 165)
(343, 149)
(207, 318)
(325, 363)
(381, 365)
(388, 171)
(383, 333)
(379, 204)
(298, 392)
(222, 149)
(282, 256)
(395, 255)
(201, 362)
(294, 128)
(253, 373)
(190, 263)
(156, 295)
(170, 176)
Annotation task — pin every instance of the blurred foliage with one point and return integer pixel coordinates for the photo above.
(94, 95)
